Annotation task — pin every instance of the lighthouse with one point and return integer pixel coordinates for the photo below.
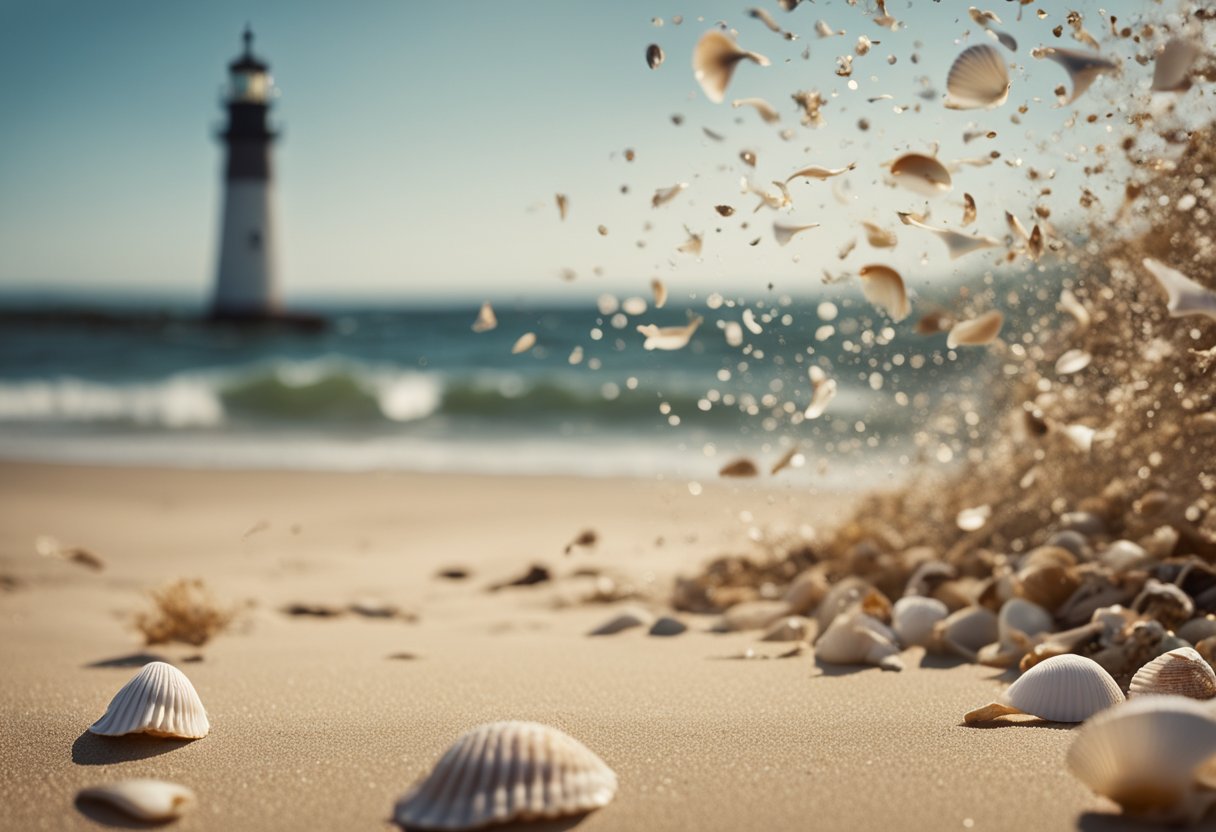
(246, 284)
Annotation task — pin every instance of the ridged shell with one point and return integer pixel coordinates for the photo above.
(857, 638)
(508, 771)
(1143, 755)
(914, 617)
(146, 800)
(714, 60)
(159, 701)
(1068, 688)
(1181, 672)
(977, 79)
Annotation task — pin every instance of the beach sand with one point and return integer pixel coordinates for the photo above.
(314, 727)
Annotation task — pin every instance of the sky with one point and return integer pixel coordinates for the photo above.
(423, 143)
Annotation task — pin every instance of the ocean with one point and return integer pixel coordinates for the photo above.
(416, 389)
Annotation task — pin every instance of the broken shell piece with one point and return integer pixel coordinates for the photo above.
(785, 233)
(159, 701)
(668, 337)
(1083, 68)
(524, 343)
(1172, 71)
(977, 331)
(790, 628)
(879, 237)
(1017, 625)
(1186, 297)
(504, 772)
(667, 626)
(766, 111)
(660, 293)
(1181, 672)
(1068, 688)
(921, 174)
(824, 390)
(884, 287)
(154, 801)
(914, 617)
(957, 243)
(964, 632)
(857, 638)
(626, 620)
(486, 319)
(662, 196)
(714, 60)
(977, 79)
(1145, 756)
(817, 172)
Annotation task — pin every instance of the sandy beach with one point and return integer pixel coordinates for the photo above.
(315, 727)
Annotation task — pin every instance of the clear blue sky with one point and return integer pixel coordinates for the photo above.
(424, 141)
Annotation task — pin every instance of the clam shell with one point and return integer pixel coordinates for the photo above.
(142, 799)
(914, 617)
(714, 60)
(1144, 755)
(857, 638)
(977, 79)
(625, 620)
(1020, 619)
(922, 174)
(159, 701)
(884, 287)
(1181, 671)
(965, 631)
(508, 771)
(1067, 688)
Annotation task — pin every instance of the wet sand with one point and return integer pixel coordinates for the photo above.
(314, 727)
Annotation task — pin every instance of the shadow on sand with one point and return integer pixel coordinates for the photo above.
(92, 750)
(558, 825)
(107, 815)
(129, 660)
(1114, 822)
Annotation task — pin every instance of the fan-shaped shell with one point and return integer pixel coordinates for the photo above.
(1181, 671)
(159, 701)
(714, 60)
(146, 800)
(977, 79)
(1144, 755)
(914, 617)
(922, 174)
(857, 638)
(508, 771)
(1067, 688)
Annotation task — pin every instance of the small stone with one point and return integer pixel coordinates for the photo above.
(668, 626)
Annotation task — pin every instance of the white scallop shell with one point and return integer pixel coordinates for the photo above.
(1067, 688)
(504, 772)
(914, 617)
(1181, 671)
(857, 638)
(159, 701)
(147, 800)
(977, 79)
(1144, 755)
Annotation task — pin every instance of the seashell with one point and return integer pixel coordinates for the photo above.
(668, 337)
(823, 391)
(1181, 671)
(857, 638)
(1019, 619)
(1186, 297)
(486, 319)
(1047, 584)
(667, 626)
(1145, 756)
(626, 620)
(654, 56)
(785, 233)
(973, 519)
(928, 576)
(1067, 688)
(714, 60)
(978, 79)
(790, 628)
(957, 243)
(884, 288)
(524, 343)
(504, 772)
(159, 701)
(1073, 361)
(1172, 71)
(817, 172)
(965, 631)
(1069, 540)
(662, 196)
(766, 111)
(1197, 629)
(921, 174)
(1123, 555)
(878, 236)
(806, 591)
(1083, 68)
(154, 801)
(660, 293)
(753, 615)
(977, 331)
(913, 618)
(851, 592)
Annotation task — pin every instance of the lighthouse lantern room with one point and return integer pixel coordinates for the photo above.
(246, 286)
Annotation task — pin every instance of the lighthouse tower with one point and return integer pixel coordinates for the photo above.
(246, 286)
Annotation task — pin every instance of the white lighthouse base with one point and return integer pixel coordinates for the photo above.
(246, 285)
